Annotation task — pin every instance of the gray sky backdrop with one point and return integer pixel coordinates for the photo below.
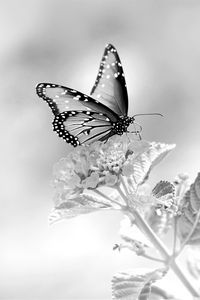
(62, 42)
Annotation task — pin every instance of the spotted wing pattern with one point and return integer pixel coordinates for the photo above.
(83, 127)
(78, 118)
(61, 98)
(110, 86)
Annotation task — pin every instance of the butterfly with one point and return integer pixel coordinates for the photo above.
(82, 119)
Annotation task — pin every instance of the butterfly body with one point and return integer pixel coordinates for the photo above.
(122, 124)
(82, 119)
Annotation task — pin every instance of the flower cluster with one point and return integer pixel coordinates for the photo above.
(120, 166)
(93, 166)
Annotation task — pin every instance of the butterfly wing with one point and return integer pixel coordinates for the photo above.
(82, 127)
(61, 98)
(78, 118)
(110, 86)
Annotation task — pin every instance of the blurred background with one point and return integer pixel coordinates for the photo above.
(62, 42)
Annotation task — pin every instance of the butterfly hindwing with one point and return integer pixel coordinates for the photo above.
(110, 86)
(78, 127)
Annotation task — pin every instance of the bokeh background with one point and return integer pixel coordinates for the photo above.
(62, 42)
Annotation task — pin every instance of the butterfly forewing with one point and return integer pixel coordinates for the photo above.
(110, 86)
(61, 98)
(78, 118)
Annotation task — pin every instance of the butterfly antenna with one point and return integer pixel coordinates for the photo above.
(150, 114)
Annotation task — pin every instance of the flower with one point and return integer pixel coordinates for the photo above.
(119, 163)
(91, 181)
(96, 165)
(127, 169)
(110, 179)
(113, 155)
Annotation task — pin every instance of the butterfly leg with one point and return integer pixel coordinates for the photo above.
(136, 131)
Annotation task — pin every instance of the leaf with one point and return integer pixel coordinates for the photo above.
(181, 182)
(194, 198)
(133, 236)
(159, 294)
(160, 223)
(193, 261)
(145, 161)
(82, 204)
(133, 245)
(161, 214)
(133, 285)
(189, 221)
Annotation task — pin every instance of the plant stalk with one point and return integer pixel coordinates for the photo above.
(169, 260)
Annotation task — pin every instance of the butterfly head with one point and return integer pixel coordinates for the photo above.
(137, 127)
(132, 120)
(122, 125)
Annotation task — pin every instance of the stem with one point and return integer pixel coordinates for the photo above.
(124, 184)
(149, 233)
(162, 249)
(175, 236)
(169, 260)
(121, 194)
(152, 258)
(99, 193)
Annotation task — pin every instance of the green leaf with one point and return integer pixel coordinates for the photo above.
(193, 261)
(133, 237)
(134, 285)
(160, 216)
(160, 223)
(82, 204)
(159, 294)
(146, 161)
(189, 221)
